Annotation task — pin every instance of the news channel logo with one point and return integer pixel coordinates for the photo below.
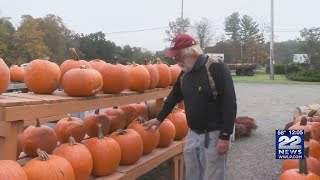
(289, 144)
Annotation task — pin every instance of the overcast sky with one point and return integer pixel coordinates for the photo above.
(129, 15)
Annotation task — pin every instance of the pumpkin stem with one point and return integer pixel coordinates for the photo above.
(303, 169)
(83, 67)
(100, 134)
(121, 131)
(312, 113)
(306, 151)
(307, 135)
(141, 120)
(43, 155)
(72, 141)
(145, 62)
(38, 122)
(69, 117)
(303, 121)
(97, 111)
(115, 107)
(74, 54)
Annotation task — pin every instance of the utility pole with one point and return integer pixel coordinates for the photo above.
(271, 42)
(182, 21)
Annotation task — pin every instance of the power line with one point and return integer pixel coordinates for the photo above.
(138, 30)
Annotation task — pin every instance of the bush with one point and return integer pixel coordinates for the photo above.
(278, 69)
(310, 75)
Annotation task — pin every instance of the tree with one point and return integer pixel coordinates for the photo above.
(181, 25)
(250, 30)
(232, 26)
(6, 32)
(203, 31)
(310, 44)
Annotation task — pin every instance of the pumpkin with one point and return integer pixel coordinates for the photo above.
(117, 118)
(38, 136)
(175, 71)
(48, 167)
(97, 64)
(299, 174)
(16, 73)
(75, 153)
(312, 163)
(315, 130)
(82, 82)
(130, 112)
(164, 74)
(10, 170)
(141, 109)
(302, 125)
(139, 78)
(72, 63)
(312, 144)
(179, 120)
(106, 154)
(4, 76)
(91, 123)
(115, 78)
(70, 126)
(42, 76)
(167, 133)
(154, 74)
(131, 145)
(150, 138)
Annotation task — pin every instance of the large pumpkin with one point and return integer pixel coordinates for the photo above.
(16, 73)
(175, 71)
(82, 82)
(302, 173)
(4, 76)
(315, 130)
(179, 120)
(91, 123)
(154, 74)
(139, 78)
(130, 112)
(72, 63)
(131, 145)
(42, 76)
(75, 153)
(167, 133)
(106, 154)
(302, 125)
(48, 167)
(164, 74)
(115, 78)
(38, 136)
(313, 145)
(141, 109)
(150, 138)
(70, 126)
(10, 170)
(117, 118)
(97, 64)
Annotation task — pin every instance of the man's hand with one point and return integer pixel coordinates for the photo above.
(222, 146)
(153, 122)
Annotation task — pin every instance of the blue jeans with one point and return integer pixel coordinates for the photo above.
(203, 163)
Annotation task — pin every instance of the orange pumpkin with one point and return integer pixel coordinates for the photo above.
(72, 63)
(82, 82)
(131, 145)
(4, 76)
(141, 109)
(49, 167)
(312, 144)
(42, 76)
(10, 170)
(315, 130)
(117, 118)
(175, 71)
(16, 73)
(91, 123)
(150, 138)
(154, 75)
(70, 126)
(115, 78)
(75, 153)
(38, 137)
(139, 78)
(164, 74)
(106, 154)
(302, 125)
(97, 64)
(130, 112)
(179, 120)
(167, 133)
(299, 174)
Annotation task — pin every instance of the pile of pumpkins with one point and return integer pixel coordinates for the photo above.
(309, 167)
(86, 78)
(117, 137)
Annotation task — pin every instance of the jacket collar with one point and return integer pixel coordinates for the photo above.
(202, 59)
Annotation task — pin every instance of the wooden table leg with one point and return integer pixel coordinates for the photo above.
(181, 167)
(174, 168)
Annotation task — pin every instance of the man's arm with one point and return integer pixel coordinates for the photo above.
(225, 88)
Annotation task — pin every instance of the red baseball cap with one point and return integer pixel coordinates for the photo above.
(179, 42)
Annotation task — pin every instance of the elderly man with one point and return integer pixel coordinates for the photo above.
(206, 86)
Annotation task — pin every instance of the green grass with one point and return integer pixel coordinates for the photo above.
(265, 78)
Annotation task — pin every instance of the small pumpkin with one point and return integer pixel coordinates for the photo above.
(11, 170)
(38, 136)
(91, 123)
(82, 82)
(164, 74)
(154, 74)
(42, 76)
(131, 145)
(115, 78)
(130, 112)
(117, 118)
(70, 126)
(48, 167)
(75, 153)
(106, 154)
(141, 109)
(16, 73)
(150, 137)
(175, 71)
(312, 144)
(97, 64)
(167, 133)
(179, 120)
(4, 76)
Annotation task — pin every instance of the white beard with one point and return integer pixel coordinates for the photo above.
(187, 65)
